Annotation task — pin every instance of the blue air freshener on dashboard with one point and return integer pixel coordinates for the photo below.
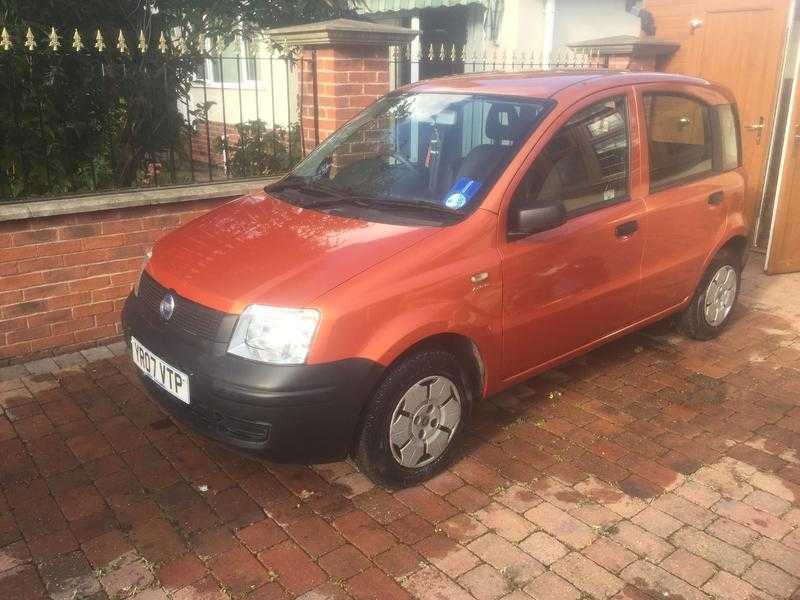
(462, 192)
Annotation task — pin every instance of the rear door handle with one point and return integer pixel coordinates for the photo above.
(716, 198)
(626, 229)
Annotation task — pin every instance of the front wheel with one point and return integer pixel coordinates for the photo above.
(713, 302)
(415, 421)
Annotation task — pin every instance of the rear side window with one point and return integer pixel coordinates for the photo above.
(680, 139)
(728, 126)
(584, 165)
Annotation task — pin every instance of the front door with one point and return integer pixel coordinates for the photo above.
(783, 251)
(573, 285)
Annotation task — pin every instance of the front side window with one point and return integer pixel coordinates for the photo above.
(422, 153)
(584, 166)
(679, 137)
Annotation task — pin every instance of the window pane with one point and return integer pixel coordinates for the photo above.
(585, 164)
(679, 137)
(729, 137)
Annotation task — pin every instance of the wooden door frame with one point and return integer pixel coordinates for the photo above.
(787, 146)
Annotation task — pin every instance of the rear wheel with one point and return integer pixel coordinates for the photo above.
(713, 302)
(415, 421)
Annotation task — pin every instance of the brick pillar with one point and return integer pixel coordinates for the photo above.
(631, 62)
(344, 67)
(348, 78)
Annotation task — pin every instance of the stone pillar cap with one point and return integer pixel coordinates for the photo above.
(629, 45)
(342, 32)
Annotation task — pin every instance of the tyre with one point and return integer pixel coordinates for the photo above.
(715, 298)
(416, 420)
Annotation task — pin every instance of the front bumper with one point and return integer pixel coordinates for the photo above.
(298, 413)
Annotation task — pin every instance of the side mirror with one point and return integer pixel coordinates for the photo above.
(533, 220)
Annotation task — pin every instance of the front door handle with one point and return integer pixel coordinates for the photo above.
(626, 229)
(716, 198)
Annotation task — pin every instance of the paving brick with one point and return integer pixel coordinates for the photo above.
(518, 498)
(261, 535)
(657, 522)
(181, 572)
(343, 562)
(505, 522)
(562, 526)
(771, 579)
(543, 547)
(517, 565)
(314, 535)
(463, 528)
(399, 560)
(767, 502)
(642, 542)
(431, 584)
(689, 567)
(684, 510)
(776, 553)
(587, 576)
(609, 555)
(755, 519)
(238, 571)
(412, 528)
(657, 581)
(733, 533)
(712, 549)
(449, 556)
(364, 533)
(550, 586)
(295, 570)
(426, 504)
(374, 584)
(468, 498)
(725, 585)
(485, 583)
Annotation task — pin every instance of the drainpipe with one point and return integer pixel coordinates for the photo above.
(548, 31)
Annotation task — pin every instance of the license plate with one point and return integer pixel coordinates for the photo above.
(162, 373)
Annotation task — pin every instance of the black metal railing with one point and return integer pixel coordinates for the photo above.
(97, 117)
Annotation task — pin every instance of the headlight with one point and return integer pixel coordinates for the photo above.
(274, 335)
(147, 256)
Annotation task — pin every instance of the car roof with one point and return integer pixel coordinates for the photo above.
(547, 84)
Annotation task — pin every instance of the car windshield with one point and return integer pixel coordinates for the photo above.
(428, 155)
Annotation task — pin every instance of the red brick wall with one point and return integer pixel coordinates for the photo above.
(63, 279)
(216, 130)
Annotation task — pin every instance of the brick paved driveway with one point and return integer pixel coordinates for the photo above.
(653, 467)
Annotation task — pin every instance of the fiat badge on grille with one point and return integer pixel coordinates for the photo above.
(167, 307)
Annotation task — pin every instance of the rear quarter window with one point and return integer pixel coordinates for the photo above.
(728, 128)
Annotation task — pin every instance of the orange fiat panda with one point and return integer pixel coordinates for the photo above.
(455, 238)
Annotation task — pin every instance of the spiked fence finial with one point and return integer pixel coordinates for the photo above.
(99, 44)
(142, 45)
(5, 40)
(30, 41)
(77, 42)
(162, 43)
(122, 46)
(54, 40)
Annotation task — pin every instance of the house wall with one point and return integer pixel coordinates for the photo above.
(579, 20)
(522, 26)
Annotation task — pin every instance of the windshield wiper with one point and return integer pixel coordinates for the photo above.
(419, 205)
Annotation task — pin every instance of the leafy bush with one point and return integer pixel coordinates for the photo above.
(260, 151)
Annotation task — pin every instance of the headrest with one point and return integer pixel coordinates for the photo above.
(502, 123)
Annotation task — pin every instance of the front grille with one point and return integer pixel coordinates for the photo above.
(189, 316)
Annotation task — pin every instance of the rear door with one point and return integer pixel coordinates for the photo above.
(692, 182)
(573, 285)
